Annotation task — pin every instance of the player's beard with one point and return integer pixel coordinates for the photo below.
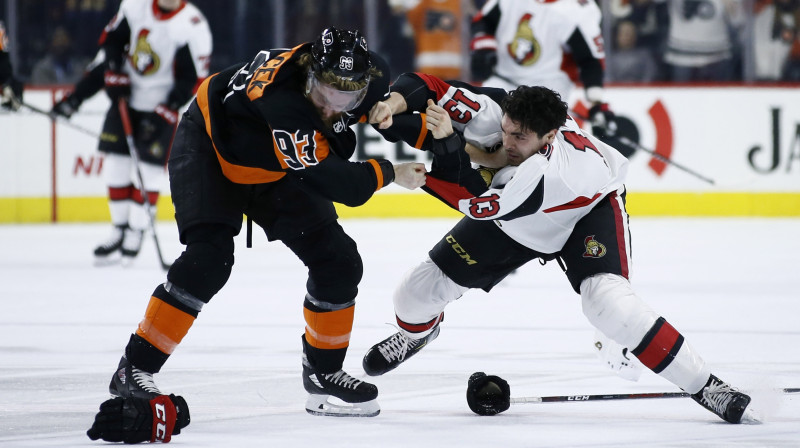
(330, 120)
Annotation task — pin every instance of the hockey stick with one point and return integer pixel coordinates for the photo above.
(568, 398)
(63, 121)
(126, 125)
(633, 145)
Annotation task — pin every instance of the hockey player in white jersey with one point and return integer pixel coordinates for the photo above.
(154, 53)
(562, 197)
(550, 43)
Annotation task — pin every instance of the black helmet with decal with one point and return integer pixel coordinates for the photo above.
(344, 52)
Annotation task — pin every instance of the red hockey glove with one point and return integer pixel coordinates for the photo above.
(169, 115)
(136, 420)
(488, 394)
(118, 85)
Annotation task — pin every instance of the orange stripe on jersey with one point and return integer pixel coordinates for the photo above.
(423, 131)
(163, 325)
(236, 173)
(378, 172)
(330, 329)
(265, 74)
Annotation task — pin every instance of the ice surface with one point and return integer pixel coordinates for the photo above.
(729, 285)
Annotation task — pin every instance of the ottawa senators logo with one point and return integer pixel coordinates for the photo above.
(524, 48)
(144, 59)
(594, 248)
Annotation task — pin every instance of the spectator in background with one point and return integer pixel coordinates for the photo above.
(792, 70)
(10, 88)
(60, 65)
(704, 40)
(629, 62)
(774, 32)
(436, 26)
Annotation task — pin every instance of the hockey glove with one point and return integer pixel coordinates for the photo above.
(604, 124)
(66, 107)
(488, 394)
(136, 420)
(11, 94)
(169, 115)
(117, 85)
(482, 63)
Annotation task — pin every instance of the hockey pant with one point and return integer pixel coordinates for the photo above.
(125, 198)
(608, 302)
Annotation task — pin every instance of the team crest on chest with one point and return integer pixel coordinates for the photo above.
(524, 48)
(144, 59)
(594, 248)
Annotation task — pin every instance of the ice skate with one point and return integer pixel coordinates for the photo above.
(392, 351)
(108, 252)
(128, 381)
(131, 245)
(358, 398)
(720, 398)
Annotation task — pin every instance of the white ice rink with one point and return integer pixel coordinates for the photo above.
(729, 285)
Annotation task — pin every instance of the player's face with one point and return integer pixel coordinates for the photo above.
(521, 144)
(330, 101)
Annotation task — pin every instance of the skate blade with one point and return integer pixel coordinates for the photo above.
(321, 405)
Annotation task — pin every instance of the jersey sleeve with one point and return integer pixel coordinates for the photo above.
(515, 192)
(191, 62)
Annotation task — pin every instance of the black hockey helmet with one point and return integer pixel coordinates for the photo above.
(344, 52)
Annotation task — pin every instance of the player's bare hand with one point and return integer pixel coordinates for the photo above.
(437, 121)
(410, 175)
(381, 114)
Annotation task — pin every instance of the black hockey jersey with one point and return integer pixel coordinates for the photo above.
(264, 128)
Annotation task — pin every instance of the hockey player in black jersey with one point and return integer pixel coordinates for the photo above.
(271, 139)
(10, 87)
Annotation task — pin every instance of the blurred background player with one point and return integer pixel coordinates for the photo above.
(283, 167)
(156, 53)
(10, 87)
(437, 27)
(543, 43)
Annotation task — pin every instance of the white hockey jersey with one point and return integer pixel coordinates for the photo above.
(532, 40)
(576, 172)
(155, 37)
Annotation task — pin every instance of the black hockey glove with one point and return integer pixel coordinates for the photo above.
(488, 394)
(604, 124)
(482, 63)
(11, 94)
(117, 85)
(136, 420)
(66, 107)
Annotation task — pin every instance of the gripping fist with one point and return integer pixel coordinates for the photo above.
(488, 394)
(11, 94)
(136, 420)
(482, 63)
(66, 107)
(603, 121)
(118, 85)
(168, 114)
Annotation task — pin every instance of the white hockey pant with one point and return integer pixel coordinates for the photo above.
(119, 172)
(611, 305)
(423, 294)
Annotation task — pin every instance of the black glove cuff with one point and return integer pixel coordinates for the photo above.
(182, 418)
(488, 394)
(448, 145)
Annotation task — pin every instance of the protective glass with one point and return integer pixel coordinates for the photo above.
(329, 97)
